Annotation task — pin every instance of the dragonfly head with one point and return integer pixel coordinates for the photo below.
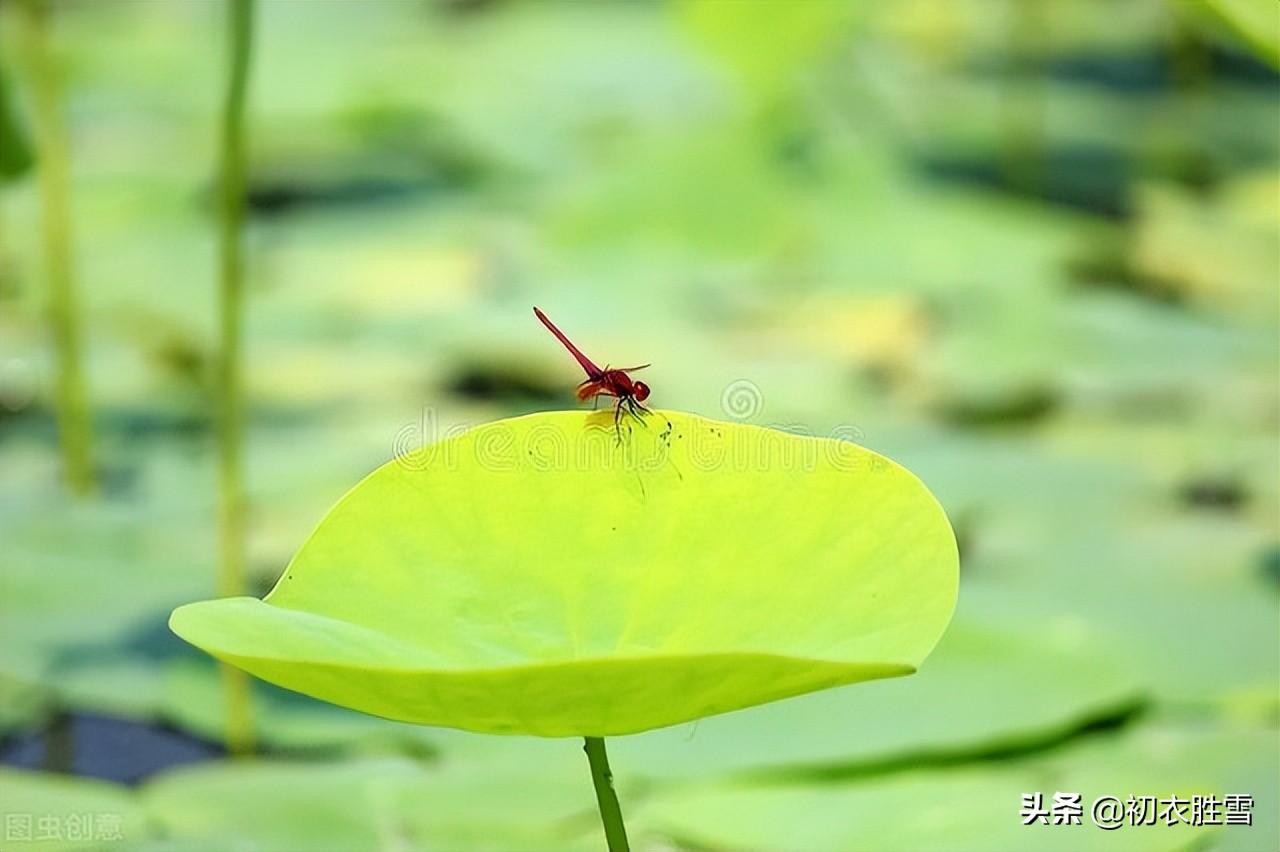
(640, 391)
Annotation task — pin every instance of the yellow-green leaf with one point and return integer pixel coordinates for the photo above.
(766, 42)
(1257, 24)
(537, 575)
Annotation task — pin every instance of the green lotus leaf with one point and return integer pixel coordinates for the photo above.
(1252, 23)
(374, 803)
(53, 812)
(966, 808)
(544, 575)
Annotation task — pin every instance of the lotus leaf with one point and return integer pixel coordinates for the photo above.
(551, 575)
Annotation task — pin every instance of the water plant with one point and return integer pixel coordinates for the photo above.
(536, 576)
(75, 430)
(230, 391)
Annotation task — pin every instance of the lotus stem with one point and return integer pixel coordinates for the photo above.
(615, 832)
(59, 743)
(75, 431)
(230, 401)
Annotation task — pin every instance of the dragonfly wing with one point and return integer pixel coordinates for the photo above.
(586, 390)
(633, 369)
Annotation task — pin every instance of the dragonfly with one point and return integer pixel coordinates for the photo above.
(629, 393)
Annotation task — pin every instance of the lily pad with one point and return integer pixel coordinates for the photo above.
(978, 807)
(543, 575)
(936, 717)
(766, 44)
(41, 810)
(375, 803)
(1252, 23)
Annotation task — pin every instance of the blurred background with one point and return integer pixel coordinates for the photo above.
(1029, 249)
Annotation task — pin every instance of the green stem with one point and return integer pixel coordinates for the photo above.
(615, 833)
(75, 431)
(59, 744)
(231, 194)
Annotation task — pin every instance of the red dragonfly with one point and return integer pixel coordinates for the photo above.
(605, 382)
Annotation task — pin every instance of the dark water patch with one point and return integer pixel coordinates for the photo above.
(1098, 178)
(26, 417)
(91, 743)
(499, 383)
(118, 481)
(1109, 268)
(390, 153)
(182, 359)
(1230, 65)
(99, 746)
(1160, 69)
(1083, 177)
(1145, 70)
(37, 423)
(1012, 408)
(268, 197)
(1139, 72)
(1215, 492)
(463, 8)
(141, 424)
(1269, 565)
(1106, 722)
(148, 424)
(149, 640)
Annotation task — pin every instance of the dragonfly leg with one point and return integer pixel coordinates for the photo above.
(636, 409)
